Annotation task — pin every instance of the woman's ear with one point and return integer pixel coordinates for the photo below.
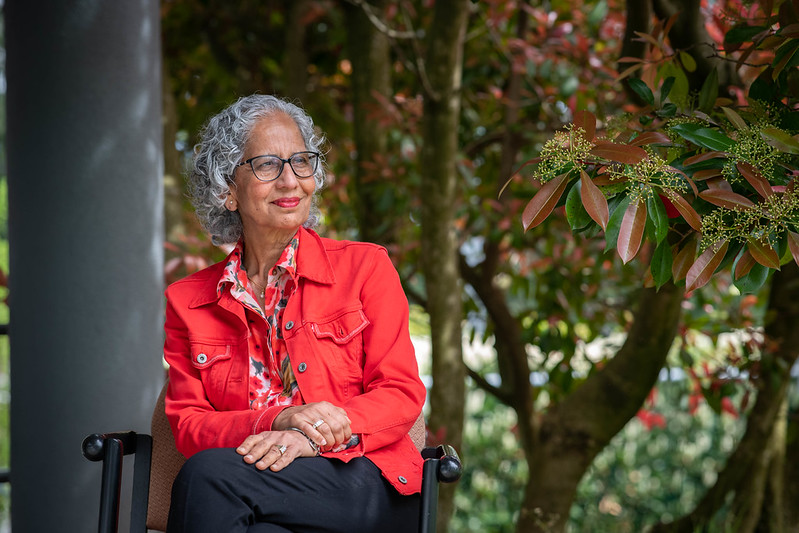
(230, 203)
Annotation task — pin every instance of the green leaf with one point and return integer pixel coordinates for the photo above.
(576, 214)
(617, 209)
(780, 140)
(753, 280)
(688, 62)
(656, 213)
(661, 264)
(742, 33)
(665, 89)
(642, 90)
(704, 137)
(709, 91)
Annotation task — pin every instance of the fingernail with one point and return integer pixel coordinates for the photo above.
(241, 450)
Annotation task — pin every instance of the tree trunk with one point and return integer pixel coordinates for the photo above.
(295, 59)
(173, 170)
(751, 457)
(369, 52)
(574, 431)
(441, 77)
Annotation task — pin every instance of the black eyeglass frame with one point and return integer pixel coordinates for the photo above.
(283, 162)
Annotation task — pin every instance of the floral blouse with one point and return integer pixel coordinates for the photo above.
(272, 380)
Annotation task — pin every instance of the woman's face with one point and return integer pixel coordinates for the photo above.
(276, 208)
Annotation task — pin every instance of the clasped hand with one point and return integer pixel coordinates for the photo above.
(323, 423)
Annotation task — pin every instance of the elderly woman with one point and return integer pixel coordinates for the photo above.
(292, 378)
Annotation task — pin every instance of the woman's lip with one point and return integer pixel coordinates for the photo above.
(287, 202)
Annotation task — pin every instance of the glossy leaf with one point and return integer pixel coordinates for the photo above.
(704, 137)
(620, 153)
(665, 89)
(631, 232)
(734, 118)
(743, 264)
(656, 212)
(763, 253)
(705, 265)
(617, 209)
(544, 201)
(683, 260)
(724, 198)
(706, 174)
(793, 245)
(688, 213)
(661, 264)
(575, 212)
(642, 90)
(651, 137)
(709, 91)
(753, 280)
(698, 158)
(755, 179)
(781, 140)
(594, 201)
(587, 121)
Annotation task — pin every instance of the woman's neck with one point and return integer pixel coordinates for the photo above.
(262, 252)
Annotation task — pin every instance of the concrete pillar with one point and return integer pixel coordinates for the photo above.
(85, 221)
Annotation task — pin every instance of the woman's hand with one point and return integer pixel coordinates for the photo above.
(324, 423)
(274, 450)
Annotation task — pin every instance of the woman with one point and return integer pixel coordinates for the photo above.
(292, 378)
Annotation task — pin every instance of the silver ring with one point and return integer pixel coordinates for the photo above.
(281, 448)
(317, 423)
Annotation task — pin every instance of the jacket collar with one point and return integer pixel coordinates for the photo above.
(312, 263)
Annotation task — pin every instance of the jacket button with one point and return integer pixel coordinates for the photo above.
(402, 480)
(301, 367)
(202, 358)
(289, 325)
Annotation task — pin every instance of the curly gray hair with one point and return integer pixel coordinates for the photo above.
(220, 149)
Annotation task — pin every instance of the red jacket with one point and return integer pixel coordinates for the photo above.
(346, 328)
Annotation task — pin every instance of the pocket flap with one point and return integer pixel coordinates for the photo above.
(342, 328)
(204, 355)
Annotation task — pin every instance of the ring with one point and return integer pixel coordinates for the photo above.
(317, 423)
(281, 448)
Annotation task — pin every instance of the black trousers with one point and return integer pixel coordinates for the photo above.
(217, 492)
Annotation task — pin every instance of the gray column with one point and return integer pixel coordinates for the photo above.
(85, 221)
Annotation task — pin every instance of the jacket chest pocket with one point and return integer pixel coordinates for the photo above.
(214, 363)
(340, 341)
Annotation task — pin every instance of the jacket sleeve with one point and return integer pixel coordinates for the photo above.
(195, 422)
(393, 394)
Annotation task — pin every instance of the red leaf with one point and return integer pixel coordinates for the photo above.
(587, 121)
(701, 175)
(620, 153)
(755, 179)
(687, 212)
(683, 260)
(651, 137)
(744, 265)
(698, 158)
(632, 230)
(595, 203)
(728, 199)
(704, 266)
(544, 201)
(671, 211)
(793, 245)
(763, 253)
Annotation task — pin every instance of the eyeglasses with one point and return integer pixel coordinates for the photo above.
(270, 167)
